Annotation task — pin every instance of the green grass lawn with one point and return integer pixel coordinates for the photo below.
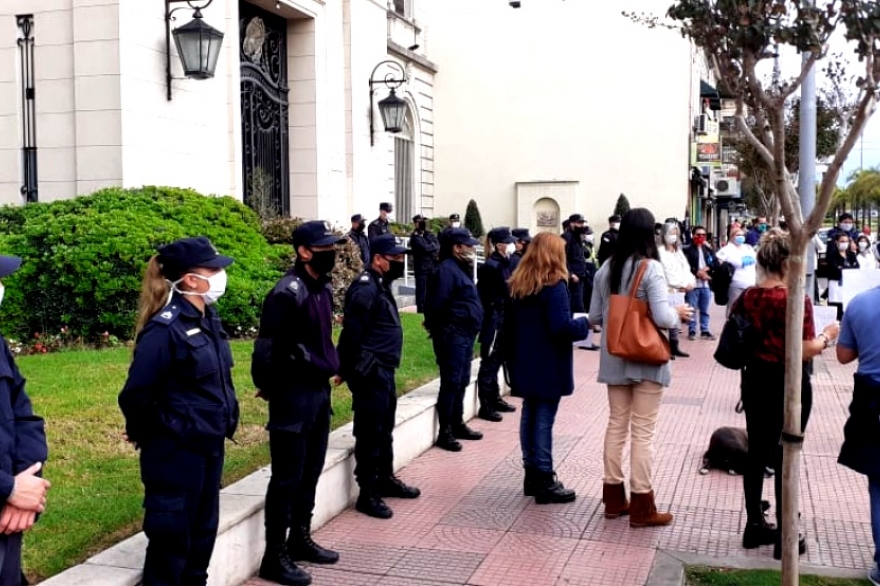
(697, 576)
(96, 492)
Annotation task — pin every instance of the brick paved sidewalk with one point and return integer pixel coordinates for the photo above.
(472, 526)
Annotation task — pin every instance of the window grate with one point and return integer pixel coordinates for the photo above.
(28, 108)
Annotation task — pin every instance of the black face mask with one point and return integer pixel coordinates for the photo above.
(323, 261)
(395, 270)
(359, 227)
(420, 226)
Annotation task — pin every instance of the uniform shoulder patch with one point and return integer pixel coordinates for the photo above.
(364, 278)
(294, 285)
(167, 315)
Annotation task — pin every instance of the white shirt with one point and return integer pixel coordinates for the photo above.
(866, 260)
(744, 276)
(677, 269)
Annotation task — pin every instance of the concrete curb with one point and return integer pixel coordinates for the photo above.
(240, 539)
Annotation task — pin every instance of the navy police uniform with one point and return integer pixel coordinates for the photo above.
(425, 250)
(522, 235)
(358, 236)
(577, 263)
(380, 227)
(492, 277)
(608, 241)
(453, 316)
(179, 405)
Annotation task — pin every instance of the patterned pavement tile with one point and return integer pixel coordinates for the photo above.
(600, 564)
(524, 560)
(469, 539)
(448, 566)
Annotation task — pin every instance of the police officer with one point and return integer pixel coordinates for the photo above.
(453, 316)
(357, 234)
(453, 222)
(293, 362)
(425, 250)
(369, 352)
(523, 239)
(179, 406)
(590, 257)
(492, 279)
(380, 225)
(23, 450)
(609, 239)
(577, 264)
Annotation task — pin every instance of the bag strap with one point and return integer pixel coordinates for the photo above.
(640, 272)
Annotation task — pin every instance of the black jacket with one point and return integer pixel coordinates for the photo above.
(492, 279)
(606, 245)
(574, 254)
(837, 263)
(451, 302)
(690, 252)
(425, 250)
(363, 243)
(378, 227)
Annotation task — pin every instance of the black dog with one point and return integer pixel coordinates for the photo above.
(728, 450)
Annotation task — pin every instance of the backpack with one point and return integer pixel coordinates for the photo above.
(735, 343)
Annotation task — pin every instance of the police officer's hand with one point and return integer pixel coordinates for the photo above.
(574, 279)
(337, 380)
(15, 520)
(29, 490)
(260, 395)
(129, 440)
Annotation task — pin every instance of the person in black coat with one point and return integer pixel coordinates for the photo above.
(425, 256)
(539, 333)
(523, 239)
(453, 317)
(381, 225)
(840, 257)
(576, 261)
(357, 234)
(23, 450)
(492, 277)
(608, 241)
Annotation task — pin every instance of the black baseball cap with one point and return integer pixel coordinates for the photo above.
(454, 217)
(386, 207)
(418, 218)
(315, 233)
(8, 265)
(357, 218)
(501, 235)
(614, 218)
(386, 244)
(461, 236)
(522, 234)
(189, 253)
(576, 219)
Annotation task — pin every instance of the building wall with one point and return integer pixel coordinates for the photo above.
(558, 92)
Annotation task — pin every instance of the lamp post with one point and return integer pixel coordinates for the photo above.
(198, 43)
(391, 108)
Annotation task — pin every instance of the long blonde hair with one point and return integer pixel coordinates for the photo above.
(154, 294)
(542, 265)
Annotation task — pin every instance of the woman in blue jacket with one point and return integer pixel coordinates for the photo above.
(538, 336)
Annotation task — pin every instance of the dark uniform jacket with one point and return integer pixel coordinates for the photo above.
(180, 381)
(377, 228)
(606, 245)
(452, 303)
(21, 432)
(363, 243)
(371, 330)
(294, 357)
(493, 291)
(574, 254)
(425, 248)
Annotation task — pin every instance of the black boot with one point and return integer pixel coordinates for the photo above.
(777, 546)
(394, 487)
(503, 406)
(676, 351)
(371, 504)
(463, 432)
(488, 413)
(302, 548)
(759, 533)
(530, 481)
(446, 441)
(550, 490)
(279, 568)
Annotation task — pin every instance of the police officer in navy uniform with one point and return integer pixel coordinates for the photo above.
(23, 450)
(293, 362)
(523, 239)
(609, 239)
(358, 235)
(425, 251)
(380, 225)
(180, 406)
(369, 352)
(492, 277)
(454, 222)
(453, 317)
(577, 263)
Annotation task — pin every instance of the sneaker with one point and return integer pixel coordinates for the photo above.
(874, 576)
(692, 336)
(707, 336)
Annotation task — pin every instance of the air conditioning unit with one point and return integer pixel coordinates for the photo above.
(726, 187)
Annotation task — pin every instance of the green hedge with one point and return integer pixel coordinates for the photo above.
(84, 258)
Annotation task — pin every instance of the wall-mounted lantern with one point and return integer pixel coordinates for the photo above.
(391, 108)
(198, 43)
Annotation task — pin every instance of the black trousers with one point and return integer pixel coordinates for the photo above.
(421, 290)
(297, 461)
(763, 396)
(182, 511)
(487, 379)
(454, 352)
(10, 560)
(374, 402)
(576, 295)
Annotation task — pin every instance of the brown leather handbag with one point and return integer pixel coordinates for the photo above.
(631, 333)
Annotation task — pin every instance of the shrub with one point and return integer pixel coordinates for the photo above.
(279, 230)
(437, 225)
(472, 219)
(84, 258)
(622, 205)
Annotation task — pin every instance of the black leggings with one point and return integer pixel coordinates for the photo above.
(763, 396)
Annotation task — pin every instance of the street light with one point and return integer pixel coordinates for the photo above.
(198, 43)
(391, 108)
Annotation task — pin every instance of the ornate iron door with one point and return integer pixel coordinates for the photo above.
(264, 110)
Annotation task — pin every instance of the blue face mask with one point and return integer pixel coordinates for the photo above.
(739, 239)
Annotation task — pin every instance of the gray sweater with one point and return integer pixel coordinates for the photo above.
(653, 289)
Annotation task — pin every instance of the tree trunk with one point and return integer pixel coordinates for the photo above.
(792, 427)
(774, 221)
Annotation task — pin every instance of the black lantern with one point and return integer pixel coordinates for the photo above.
(393, 111)
(391, 108)
(198, 43)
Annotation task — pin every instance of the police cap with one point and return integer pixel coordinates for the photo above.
(576, 219)
(8, 265)
(522, 234)
(189, 253)
(315, 233)
(454, 217)
(356, 218)
(461, 236)
(386, 244)
(501, 235)
(418, 218)
(614, 219)
(386, 207)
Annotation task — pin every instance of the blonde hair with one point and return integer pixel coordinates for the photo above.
(773, 252)
(154, 294)
(542, 265)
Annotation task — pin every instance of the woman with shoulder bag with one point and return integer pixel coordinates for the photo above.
(634, 387)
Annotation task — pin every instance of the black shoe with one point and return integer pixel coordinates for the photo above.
(676, 351)
(777, 546)
(759, 533)
(371, 504)
(279, 568)
(707, 336)
(550, 490)
(446, 441)
(302, 548)
(463, 432)
(394, 487)
(530, 481)
(503, 406)
(488, 414)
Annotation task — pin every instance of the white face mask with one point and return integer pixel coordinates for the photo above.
(671, 239)
(2, 291)
(862, 246)
(615, 225)
(510, 249)
(216, 287)
(843, 246)
(589, 238)
(456, 224)
(846, 227)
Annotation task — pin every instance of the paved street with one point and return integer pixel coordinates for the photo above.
(473, 526)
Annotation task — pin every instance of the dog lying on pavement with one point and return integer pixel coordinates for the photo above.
(728, 450)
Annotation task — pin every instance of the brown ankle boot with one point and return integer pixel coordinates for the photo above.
(614, 497)
(643, 512)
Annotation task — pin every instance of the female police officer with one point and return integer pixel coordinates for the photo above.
(179, 405)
